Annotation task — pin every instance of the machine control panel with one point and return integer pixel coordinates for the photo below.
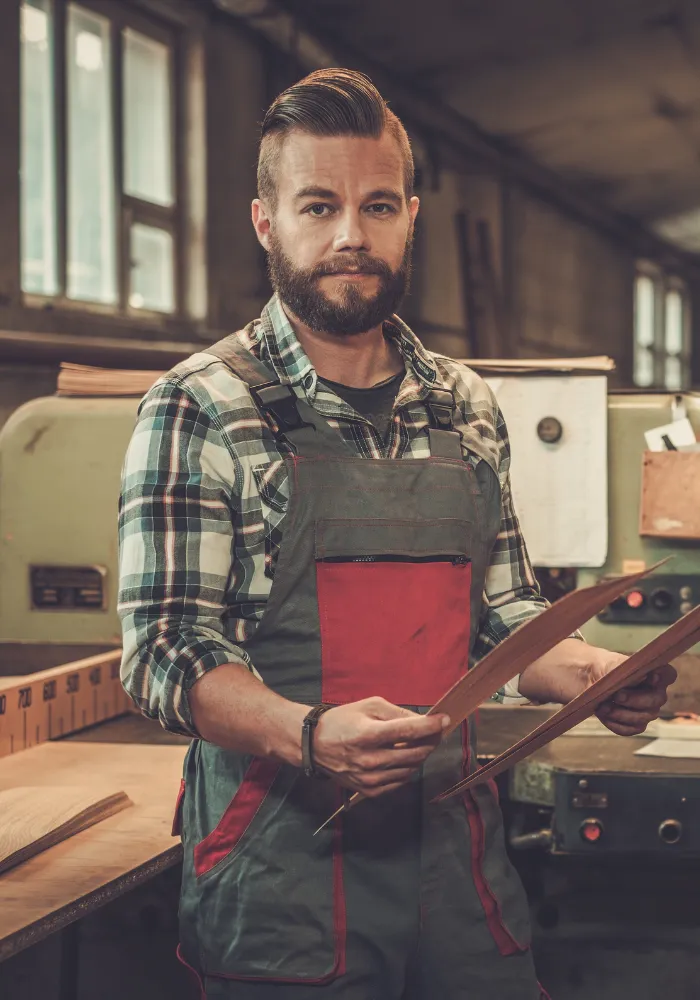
(626, 813)
(659, 600)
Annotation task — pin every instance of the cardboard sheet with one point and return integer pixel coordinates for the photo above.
(563, 505)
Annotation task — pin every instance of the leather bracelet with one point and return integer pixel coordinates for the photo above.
(307, 730)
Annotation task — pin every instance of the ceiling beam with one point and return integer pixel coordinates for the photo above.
(434, 118)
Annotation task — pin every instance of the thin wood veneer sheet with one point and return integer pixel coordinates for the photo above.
(678, 638)
(531, 640)
(34, 818)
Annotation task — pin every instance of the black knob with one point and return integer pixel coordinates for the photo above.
(549, 430)
(662, 599)
(671, 831)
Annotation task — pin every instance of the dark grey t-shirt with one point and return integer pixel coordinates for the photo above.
(374, 403)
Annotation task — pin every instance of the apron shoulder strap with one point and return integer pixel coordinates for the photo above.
(445, 442)
(238, 358)
(298, 423)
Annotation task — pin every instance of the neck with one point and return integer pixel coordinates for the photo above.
(359, 361)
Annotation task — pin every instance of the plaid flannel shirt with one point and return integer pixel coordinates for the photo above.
(204, 496)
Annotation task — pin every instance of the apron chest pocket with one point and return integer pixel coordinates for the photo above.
(394, 608)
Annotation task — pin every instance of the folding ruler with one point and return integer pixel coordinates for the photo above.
(52, 703)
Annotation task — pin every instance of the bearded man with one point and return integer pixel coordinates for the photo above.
(317, 538)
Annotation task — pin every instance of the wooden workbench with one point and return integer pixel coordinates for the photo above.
(86, 871)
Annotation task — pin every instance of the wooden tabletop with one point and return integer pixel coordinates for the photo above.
(84, 872)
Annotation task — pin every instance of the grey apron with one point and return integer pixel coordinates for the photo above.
(377, 592)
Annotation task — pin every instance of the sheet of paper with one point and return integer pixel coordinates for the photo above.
(680, 433)
(560, 490)
(670, 748)
(678, 730)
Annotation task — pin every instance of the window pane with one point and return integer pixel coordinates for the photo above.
(644, 311)
(152, 269)
(39, 273)
(643, 367)
(91, 207)
(674, 373)
(674, 322)
(147, 134)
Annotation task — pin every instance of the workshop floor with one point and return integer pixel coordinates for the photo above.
(622, 936)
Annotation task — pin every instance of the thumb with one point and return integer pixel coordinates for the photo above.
(384, 711)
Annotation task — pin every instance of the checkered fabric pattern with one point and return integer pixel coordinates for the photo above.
(205, 493)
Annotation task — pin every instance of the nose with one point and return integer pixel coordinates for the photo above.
(350, 234)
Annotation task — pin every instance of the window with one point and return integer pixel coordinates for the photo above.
(662, 331)
(100, 175)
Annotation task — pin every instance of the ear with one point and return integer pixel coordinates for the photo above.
(261, 222)
(413, 206)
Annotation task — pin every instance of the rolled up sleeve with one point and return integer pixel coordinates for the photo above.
(512, 595)
(176, 534)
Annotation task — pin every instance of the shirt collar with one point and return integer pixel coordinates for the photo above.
(280, 347)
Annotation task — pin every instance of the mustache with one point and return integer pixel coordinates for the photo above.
(352, 264)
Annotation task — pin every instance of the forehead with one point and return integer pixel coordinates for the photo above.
(339, 163)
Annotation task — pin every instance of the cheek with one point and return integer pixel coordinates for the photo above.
(305, 245)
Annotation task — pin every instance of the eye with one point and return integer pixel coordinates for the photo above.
(382, 208)
(319, 211)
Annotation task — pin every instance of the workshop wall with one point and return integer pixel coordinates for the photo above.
(563, 287)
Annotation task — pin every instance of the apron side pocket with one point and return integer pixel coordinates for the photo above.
(238, 816)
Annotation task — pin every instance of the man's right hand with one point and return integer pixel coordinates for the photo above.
(372, 746)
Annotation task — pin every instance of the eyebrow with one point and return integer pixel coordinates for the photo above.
(381, 194)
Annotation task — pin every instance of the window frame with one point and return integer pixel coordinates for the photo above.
(128, 209)
(663, 283)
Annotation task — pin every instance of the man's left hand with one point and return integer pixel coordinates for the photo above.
(573, 666)
(629, 712)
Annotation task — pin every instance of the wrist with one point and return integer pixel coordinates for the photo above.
(285, 735)
(560, 674)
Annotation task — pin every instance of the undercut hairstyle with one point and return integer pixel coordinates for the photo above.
(328, 102)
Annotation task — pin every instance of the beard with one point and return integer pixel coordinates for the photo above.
(353, 312)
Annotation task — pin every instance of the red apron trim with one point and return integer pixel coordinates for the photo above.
(195, 975)
(339, 926)
(177, 815)
(238, 816)
(544, 995)
(505, 942)
(397, 630)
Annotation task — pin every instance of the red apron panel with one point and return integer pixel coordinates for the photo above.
(397, 630)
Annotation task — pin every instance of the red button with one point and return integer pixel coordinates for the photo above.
(591, 830)
(635, 599)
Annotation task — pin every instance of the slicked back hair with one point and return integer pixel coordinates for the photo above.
(328, 102)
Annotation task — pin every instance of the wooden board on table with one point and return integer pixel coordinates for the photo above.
(85, 871)
(32, 818)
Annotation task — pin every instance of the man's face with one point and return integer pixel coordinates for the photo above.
(339, 239)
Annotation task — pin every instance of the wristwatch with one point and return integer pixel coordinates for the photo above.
(307, 730)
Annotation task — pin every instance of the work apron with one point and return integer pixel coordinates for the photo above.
(377, 591)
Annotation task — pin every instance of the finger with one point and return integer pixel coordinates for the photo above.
(621, 730)
(392, 759)
(373, 793)
(664, 676)
(625, 717)
(380, 708)
(379, 779)
(410, 729)
(642, 699)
